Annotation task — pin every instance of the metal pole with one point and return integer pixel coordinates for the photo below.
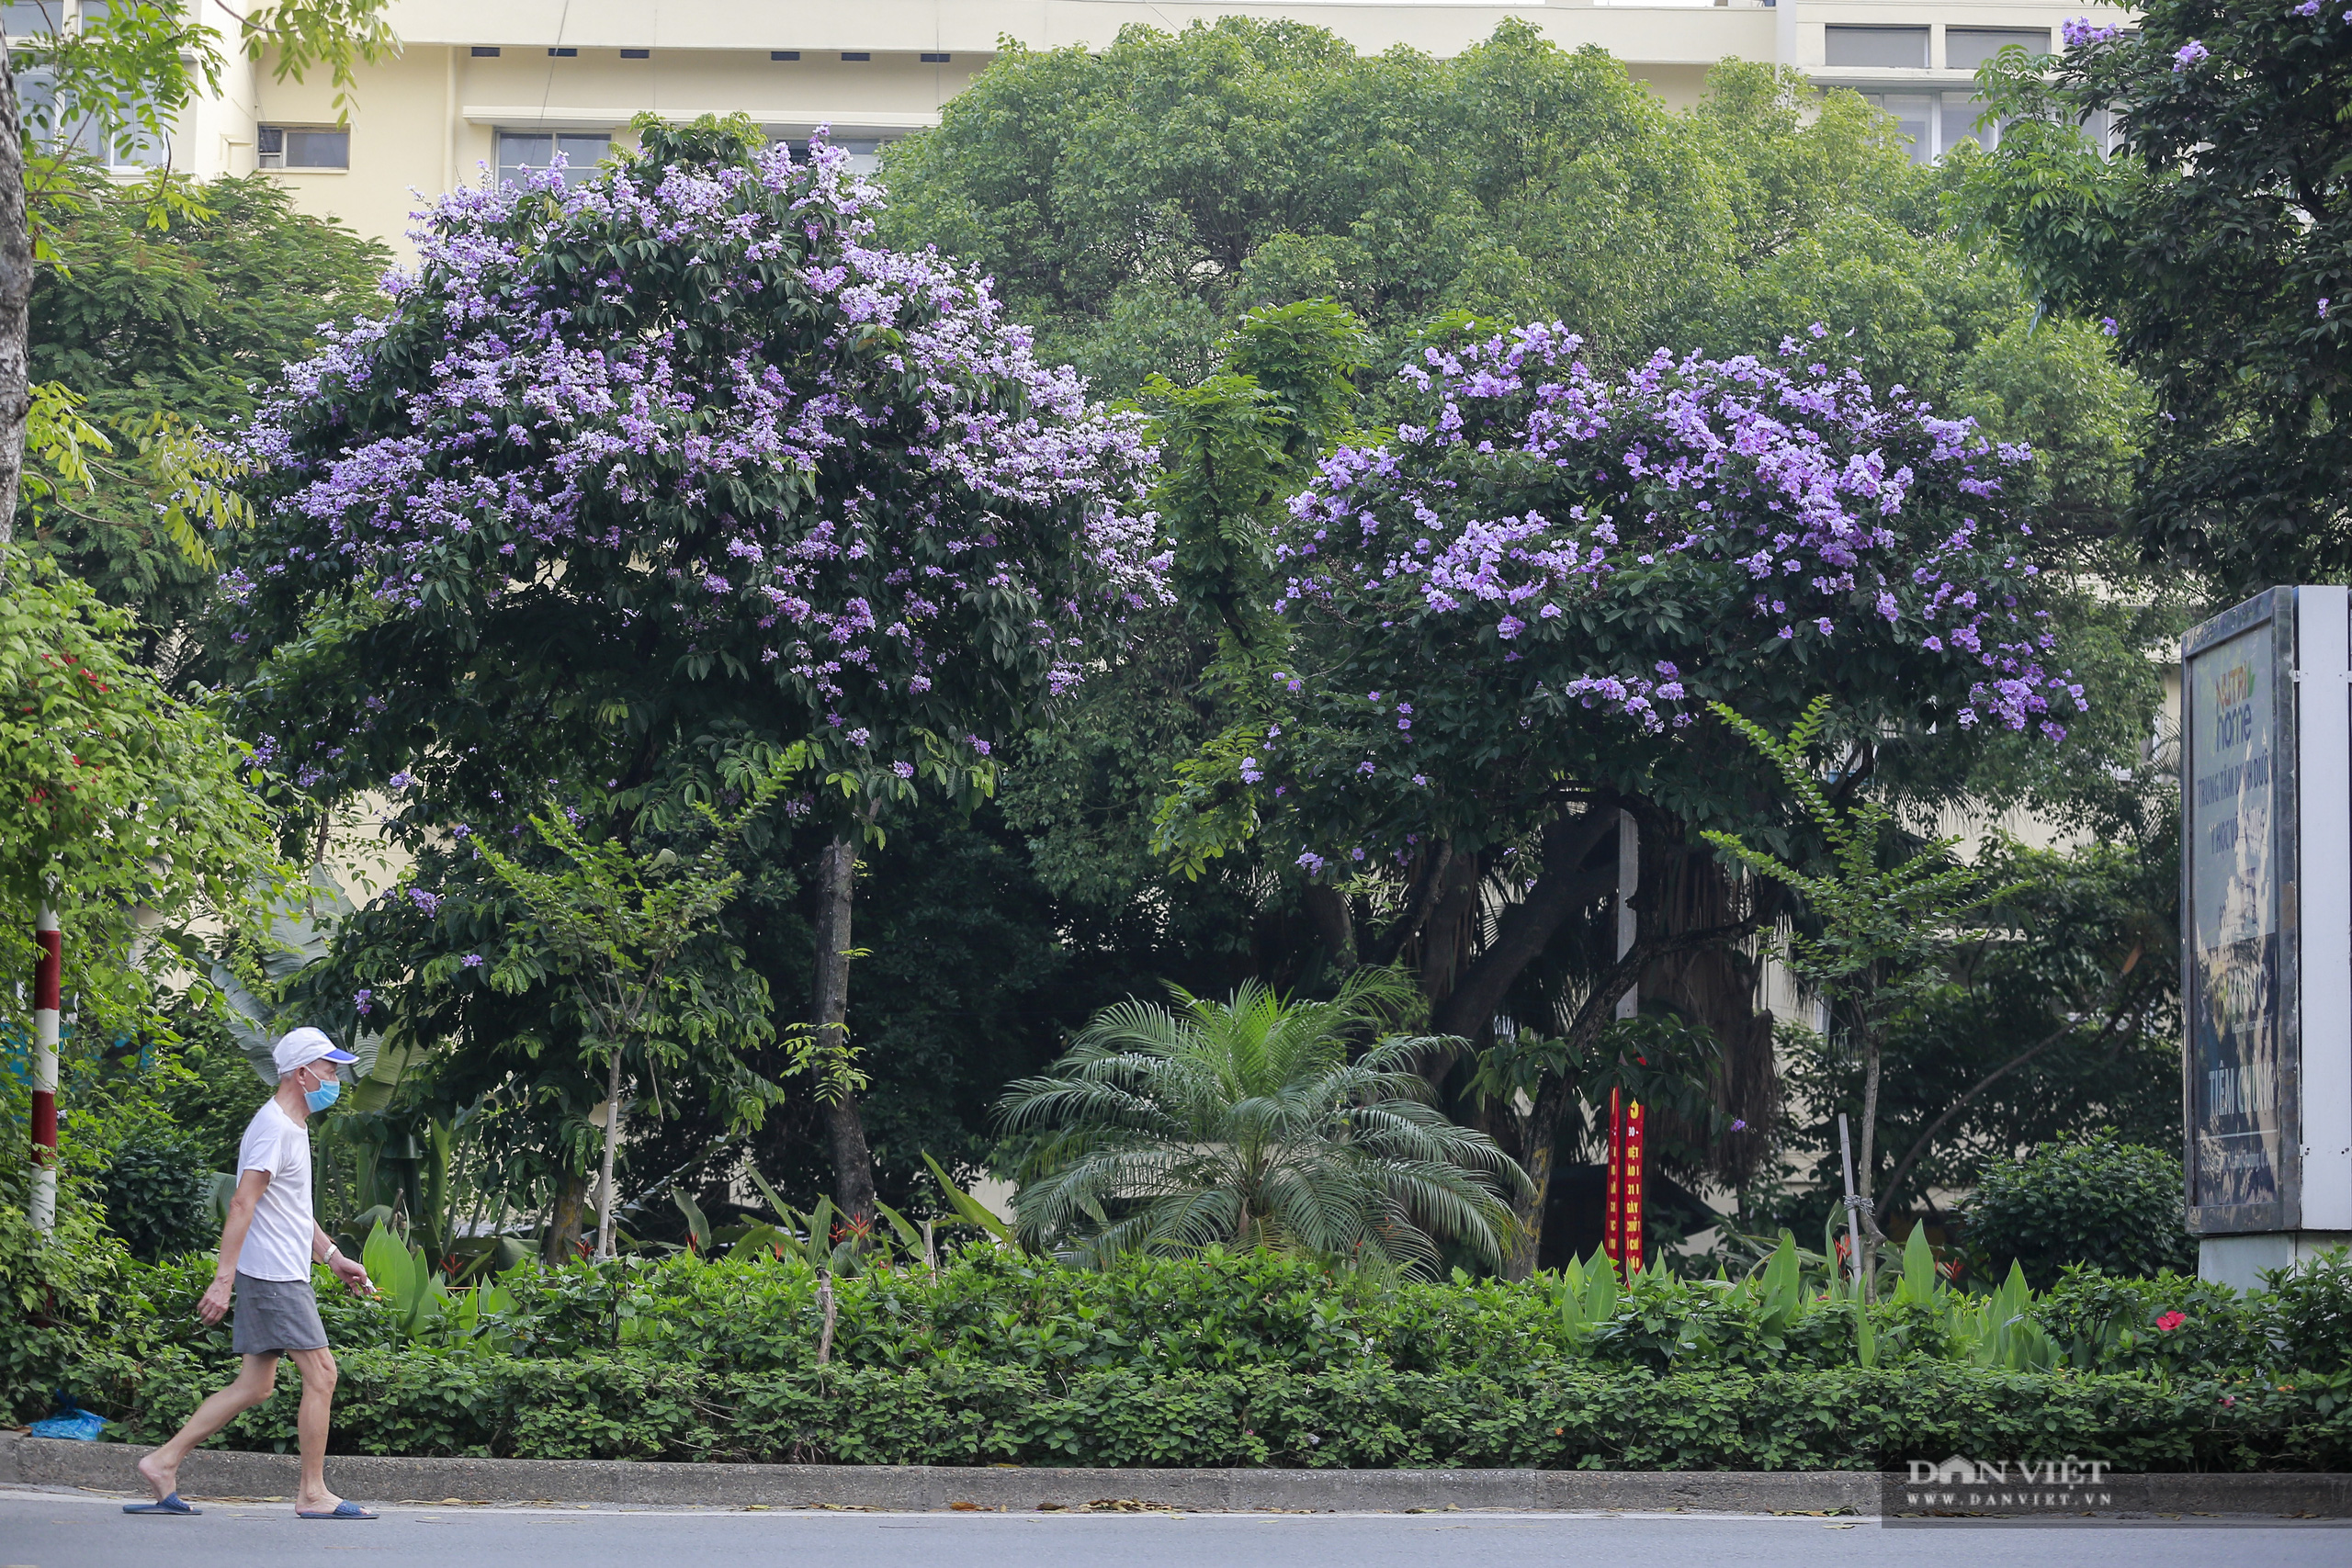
(47, 984)
(1854, 1205)
(1629, 882)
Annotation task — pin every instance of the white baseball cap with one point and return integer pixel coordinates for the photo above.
(302, 1046)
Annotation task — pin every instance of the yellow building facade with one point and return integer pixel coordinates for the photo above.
(482, 87)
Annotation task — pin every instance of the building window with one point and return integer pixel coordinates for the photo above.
(521, 151)
(1915, 120)
(860, 54)
(1904, 47)
(1965, 49)
(865, 152)
(485, 51)
(637, 54)
(32, 18)
(935, 59)
(303, 147)
(784, 54)
(1960, 123)
(564, 54)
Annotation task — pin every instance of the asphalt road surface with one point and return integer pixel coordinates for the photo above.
(68, 1529)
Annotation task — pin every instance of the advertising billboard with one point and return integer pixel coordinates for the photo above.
(2266, 783)
(2240, 1071)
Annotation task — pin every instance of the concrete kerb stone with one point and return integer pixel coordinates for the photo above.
(217, 1472)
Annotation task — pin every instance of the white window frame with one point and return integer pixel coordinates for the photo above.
(261, 157)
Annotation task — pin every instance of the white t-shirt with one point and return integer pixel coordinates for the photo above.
(277, 1245)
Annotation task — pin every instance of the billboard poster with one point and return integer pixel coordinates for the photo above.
(2237, 1112)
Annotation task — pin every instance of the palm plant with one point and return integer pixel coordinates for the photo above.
(1245, 1124)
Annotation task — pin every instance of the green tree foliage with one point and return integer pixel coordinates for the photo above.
(110, 82)
(1135, 202)
(1252, 1122)
(2094, 1200)
(122, 807)
(2055, 1010)
(867, 532)
(164, 326)
(1869, 923)
(614, 919)
(2211, 242)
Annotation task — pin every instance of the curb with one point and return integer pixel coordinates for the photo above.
(222, 1473)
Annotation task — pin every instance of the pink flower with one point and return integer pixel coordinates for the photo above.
(2171, 1321)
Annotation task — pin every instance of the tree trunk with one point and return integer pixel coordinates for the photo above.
(1526, 927)
(1540, 1137)
(836, 890)
(606, 1202)
(1326, 909)
(561, 1243)
(1870, 1232)
(1446, 940)
(15, 293)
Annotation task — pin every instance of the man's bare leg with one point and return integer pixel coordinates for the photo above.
(162, 1468)
(318, 1371)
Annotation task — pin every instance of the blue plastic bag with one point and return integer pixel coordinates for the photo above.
(71, 1422)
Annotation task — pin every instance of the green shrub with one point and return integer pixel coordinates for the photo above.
(2114, 1206)
(157, 1191)
(1261, 1358)
(1562, 1415)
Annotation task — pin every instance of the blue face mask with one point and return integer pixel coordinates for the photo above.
(324, 1095)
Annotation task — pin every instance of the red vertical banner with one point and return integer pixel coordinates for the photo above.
(47, 977)
(1620, 1234)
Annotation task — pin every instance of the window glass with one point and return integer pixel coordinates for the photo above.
(302, 147)
(1877, 46)
(1961, 110)
(28, 18)
(523, 149)
(1913, 118)
(318, 149)
(52, 125)
(865, 152)
(1965, 49)
(136, 147)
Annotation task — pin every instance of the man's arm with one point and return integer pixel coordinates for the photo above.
(250, 1184)
(349, 1270)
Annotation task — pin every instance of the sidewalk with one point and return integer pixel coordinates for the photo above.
(217, 1472)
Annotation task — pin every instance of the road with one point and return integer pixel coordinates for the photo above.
(70, 1529)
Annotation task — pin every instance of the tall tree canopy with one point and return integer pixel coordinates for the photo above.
(2213, 244)
(164, 321)
(1134, 203)
(1162, 206)
(643, 484)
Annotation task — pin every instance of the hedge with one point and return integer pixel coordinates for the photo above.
(422, 1402)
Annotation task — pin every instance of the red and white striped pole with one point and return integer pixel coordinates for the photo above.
(47, 977)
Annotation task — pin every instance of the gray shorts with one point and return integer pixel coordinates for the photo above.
(274, 1315)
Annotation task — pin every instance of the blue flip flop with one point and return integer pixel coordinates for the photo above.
(170, 1505)
(346, 1509)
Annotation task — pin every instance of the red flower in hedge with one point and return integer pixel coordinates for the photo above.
(2171, 1321)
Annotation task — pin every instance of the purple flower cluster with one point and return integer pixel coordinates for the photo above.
(1780, 473)
(828, 465)
(2079, 32)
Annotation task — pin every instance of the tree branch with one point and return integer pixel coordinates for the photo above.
(1417, 906)
(1527, 926)
(1919, 1146)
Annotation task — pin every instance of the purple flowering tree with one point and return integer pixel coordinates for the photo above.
(643, 484)
(1508, 619)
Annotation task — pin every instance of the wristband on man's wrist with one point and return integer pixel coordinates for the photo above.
(334, 1252)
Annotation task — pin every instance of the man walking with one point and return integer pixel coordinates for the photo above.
(267, 1248)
